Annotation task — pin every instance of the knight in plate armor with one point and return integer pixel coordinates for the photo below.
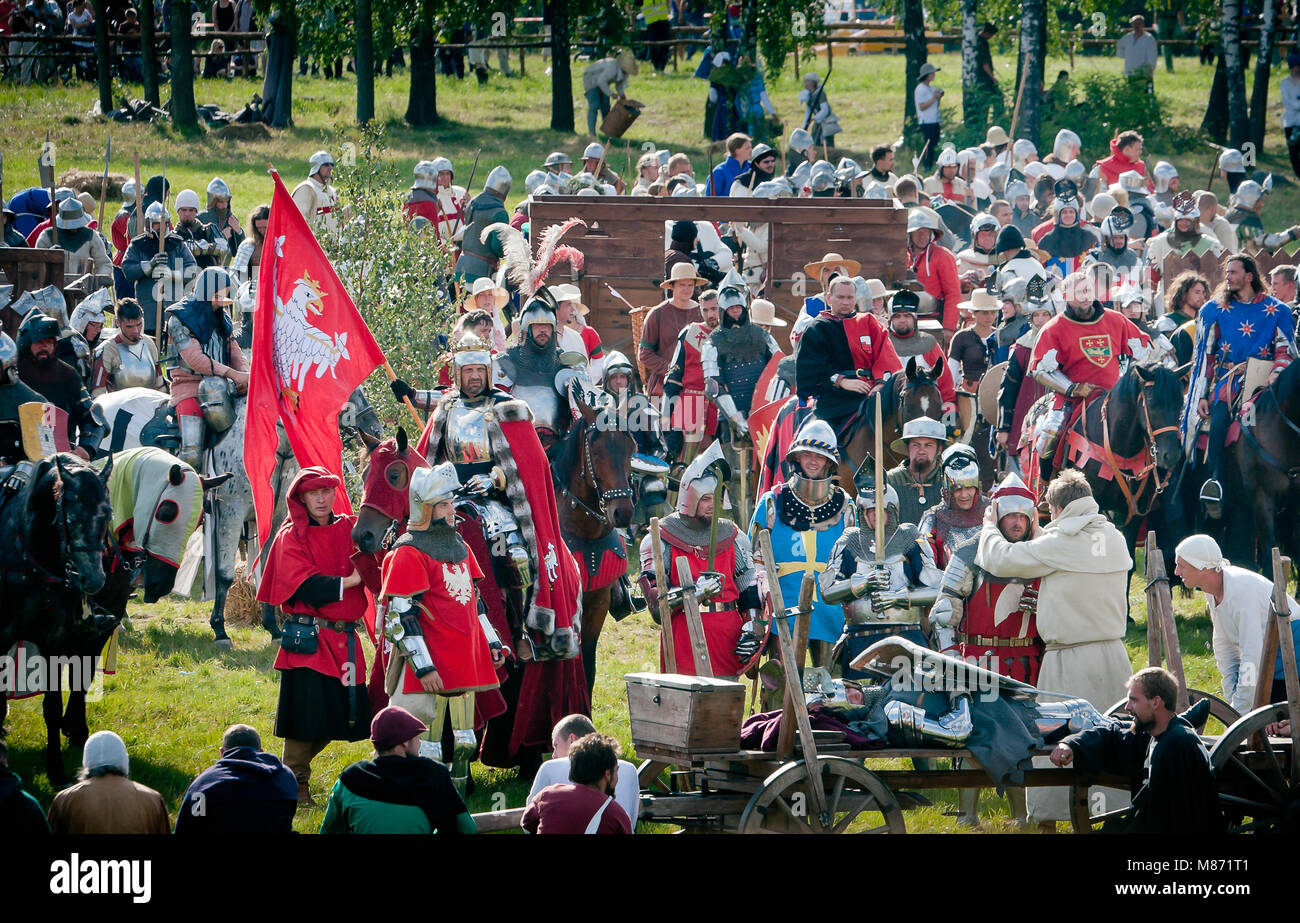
(442, 648)
(882, 594)
(478, 257)
(723, 567)
(959, 515)
(129, 359)
(535, 371)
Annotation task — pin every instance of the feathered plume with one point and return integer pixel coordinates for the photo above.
(518, 256)
(551, 253)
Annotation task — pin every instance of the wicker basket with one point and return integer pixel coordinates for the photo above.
(621, 116)
(638, 316)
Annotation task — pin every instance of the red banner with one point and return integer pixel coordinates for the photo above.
(311, 350)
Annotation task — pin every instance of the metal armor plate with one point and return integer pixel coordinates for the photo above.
(544, 401)
(137, 368)
(467, 434)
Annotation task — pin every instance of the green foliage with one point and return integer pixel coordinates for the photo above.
(785, 24)
(393, 274)
(1102, 105)
(609, 26)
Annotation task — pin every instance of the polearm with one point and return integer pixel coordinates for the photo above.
(46, 172)
(469, 188)
(103, 197)
(2, 199)
(162, 239)
(600, 164)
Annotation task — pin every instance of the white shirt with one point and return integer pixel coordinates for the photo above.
(1240, 623)
(922, 95)
(1290, 101)
(1138, 53)
(627, 790)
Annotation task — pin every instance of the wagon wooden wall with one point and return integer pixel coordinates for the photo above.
(625, 240)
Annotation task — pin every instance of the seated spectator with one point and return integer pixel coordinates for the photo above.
(586, 803)
(20, 813)
(556, 771)
(398, 791)
(217, 63)
(248, 791)
(105, 800)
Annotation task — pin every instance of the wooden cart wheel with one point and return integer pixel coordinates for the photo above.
(1220, 710)
(856, 800)
(1254, 780)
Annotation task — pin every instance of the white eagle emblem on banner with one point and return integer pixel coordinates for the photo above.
(300, 348)
(459, 585)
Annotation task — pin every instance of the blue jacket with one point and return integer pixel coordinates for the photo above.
(247, 792)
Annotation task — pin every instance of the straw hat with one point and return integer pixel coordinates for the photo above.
(920, 428)
(568, 292)
(996, 135)
(682, 271)
(981, 300)
(762, 311)
(878, 289)
(485, 284)
(833, 261)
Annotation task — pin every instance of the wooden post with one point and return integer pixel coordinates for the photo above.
(1282, 625)
(665, 610)
(521, 61)
(1160, 605)
(796, 65)
(1020, 95)
(1154, 657)
(803, 621)
(694, 625)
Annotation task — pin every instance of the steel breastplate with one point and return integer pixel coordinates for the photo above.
(535, 385)
(740, 376)
(466, 440)
(137, 366)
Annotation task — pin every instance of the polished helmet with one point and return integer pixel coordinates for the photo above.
(1163, 173)
(815, 436)
(318, 160)
(430, 486)
(498, 181)
(218, 187)
(1014, 497)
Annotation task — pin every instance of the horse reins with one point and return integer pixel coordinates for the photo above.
(601, 513)
(1148, 471)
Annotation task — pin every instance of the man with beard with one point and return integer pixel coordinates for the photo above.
(208, 246)
(882, 590)
(398, 791)
(57, 382)
(1185, 237)
(316, 198)
(665, 322)
(917, 477)
(159, 274)
(13, 394)
(1068, 240)
(220, 216)
(443, 645)
(309, 574)
(726, 581)
(805, 515)
(990, 620)
(956, 518)
(1078, 353)
(692, 418)
(586, 803)
(844, 358)
(130, 359)
(1246, 205)
(1113, 265)
(201, 345)
(1242, 322)
(910, 342)
(528, 370)
(1173, 785)
(434, 197)
(762, 166)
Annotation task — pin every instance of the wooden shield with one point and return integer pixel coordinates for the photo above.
(966, 407)
(989, 387)
(45, 430)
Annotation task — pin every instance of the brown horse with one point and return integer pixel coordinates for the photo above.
(385, 492)
(591, 468)
(906, 397)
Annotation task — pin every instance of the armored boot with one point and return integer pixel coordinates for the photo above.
(1212, 490)
(1016, 801)
(968, 803)
(191, 450)
(620, 598)
(464, 745)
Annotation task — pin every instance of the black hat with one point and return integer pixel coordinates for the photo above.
(904, 301)
(685, 231)
(1009, 238)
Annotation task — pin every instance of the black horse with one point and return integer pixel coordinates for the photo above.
(591, 468)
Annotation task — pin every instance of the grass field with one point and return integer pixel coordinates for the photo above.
(174, 692)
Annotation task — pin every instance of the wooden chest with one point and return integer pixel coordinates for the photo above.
(684, 714)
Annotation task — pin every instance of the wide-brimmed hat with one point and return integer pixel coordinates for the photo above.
(927, 69)
(920, 428)
(762, 311)
(997, 136)
(682, 271)
(878, 289)
(485, 284)
(569, 292)
(830, 261)
(981, 299)
(71, 216)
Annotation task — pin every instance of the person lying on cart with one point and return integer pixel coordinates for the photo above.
(882, 594)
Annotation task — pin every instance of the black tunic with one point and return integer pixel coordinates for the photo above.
(1172, 781)
(823, 352)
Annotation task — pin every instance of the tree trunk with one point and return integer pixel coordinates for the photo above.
(1033, 51)
(183, 115)
(556, 14)
(1263, 66)
(914, 48)
(365, 61)
(149, 53)
(1235, 73)
(969, 68)
(104, 62)
(749, 30)
(1215, 122)
(281, 59)
(422, 103)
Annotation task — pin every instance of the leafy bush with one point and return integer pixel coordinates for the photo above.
(1100, 106)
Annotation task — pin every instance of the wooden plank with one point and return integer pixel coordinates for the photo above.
(1281, 621)
(661, 807)
(499, 821)
(1154, 656)
(694, 625)
(1161, 601)
(665, 611)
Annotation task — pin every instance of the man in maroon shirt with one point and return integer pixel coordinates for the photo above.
(585, 804)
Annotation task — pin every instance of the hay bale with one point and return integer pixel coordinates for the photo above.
(244, 131)
(242, 607)
(86, 181)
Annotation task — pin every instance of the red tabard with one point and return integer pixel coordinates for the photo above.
(1087, 351)
(305, 551)
(873, 352)
(691, 412)
(721, 629)
(994, 599)
(449, 619)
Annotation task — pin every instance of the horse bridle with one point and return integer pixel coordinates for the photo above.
(601, 513)
(1150, 470)
(1264, 453)
(66, 548)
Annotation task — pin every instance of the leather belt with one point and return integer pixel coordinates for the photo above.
(323, 623)
(881, 628)
(987, 641)
(715, 608)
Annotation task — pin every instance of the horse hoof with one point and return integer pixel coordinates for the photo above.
(224, 644)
